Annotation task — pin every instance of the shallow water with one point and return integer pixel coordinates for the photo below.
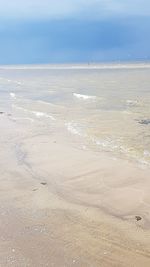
(107, 106)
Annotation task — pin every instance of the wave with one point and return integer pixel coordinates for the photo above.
(132, 102)
(16, 82)
(36, 113)
(13, 95)
(108, 145)
(44, 102)
(11, 81)
(84, 97)
(74, 129)
(42, 114)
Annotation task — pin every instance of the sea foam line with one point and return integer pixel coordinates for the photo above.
(74, 129)
(131, 102)
(108, 144)
(71, 128)
(13, 95)
(42, 114)
(13, 81)
(84, 97)
(104, 144)
(36, 113)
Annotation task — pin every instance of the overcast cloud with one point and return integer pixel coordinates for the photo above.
(45, 31)
(73, 8)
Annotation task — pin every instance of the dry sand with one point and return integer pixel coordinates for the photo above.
(65, 206)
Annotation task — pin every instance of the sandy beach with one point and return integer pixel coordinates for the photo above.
(74, 175)
(74, 133)
(62, 206)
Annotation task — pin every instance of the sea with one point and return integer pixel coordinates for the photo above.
(106, 106)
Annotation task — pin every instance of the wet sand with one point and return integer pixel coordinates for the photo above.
(65, 206)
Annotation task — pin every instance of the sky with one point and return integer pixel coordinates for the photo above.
(65, 31)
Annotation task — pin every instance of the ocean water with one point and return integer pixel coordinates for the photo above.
(106, 106)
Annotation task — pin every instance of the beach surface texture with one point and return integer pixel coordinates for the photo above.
(75, 173)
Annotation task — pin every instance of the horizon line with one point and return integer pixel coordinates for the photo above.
(80, 65)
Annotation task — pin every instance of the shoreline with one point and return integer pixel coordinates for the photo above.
(62, 206)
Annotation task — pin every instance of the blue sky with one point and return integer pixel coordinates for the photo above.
(52, 31)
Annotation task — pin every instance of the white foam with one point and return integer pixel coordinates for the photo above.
(131, 102)
(105, 144)
(44, 103)
(72, 128)
(108, 144)
(13, 95)
(146, 153)
(84, 97)
(12, 81)
(19, 83)
(36, 113)
(42, 114)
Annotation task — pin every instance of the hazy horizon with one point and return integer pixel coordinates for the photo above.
(87, 64)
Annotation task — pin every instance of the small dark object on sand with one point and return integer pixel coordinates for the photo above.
(44, 183)
(35, 189)
(138, 218)
(146, 121)
(1, 112)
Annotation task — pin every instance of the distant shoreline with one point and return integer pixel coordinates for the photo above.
(101, 65)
